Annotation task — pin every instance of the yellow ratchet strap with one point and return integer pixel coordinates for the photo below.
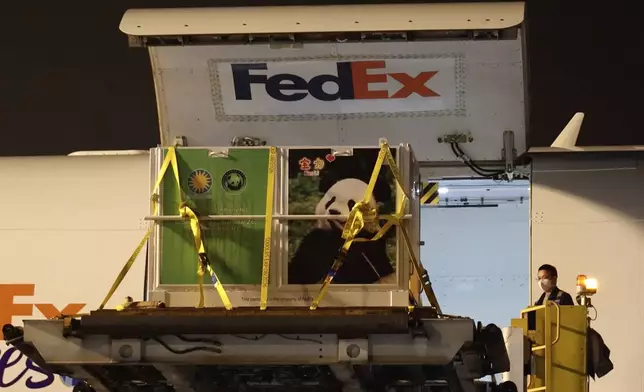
(396, 219)
(204, 264)
(268, 228)
(170, 160)
(184, 211)
(360, 216)
(356, 222)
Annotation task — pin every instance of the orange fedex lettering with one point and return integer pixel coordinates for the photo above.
(414, 85)
(361, 80)
(9, 308)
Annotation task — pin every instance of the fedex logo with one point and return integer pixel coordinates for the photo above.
(9, 308)
(15, 369)
(353, 80)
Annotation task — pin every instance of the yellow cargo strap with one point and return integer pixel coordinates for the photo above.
(396, 219)
(362, 215)
(171, 160)
(268, 228)
(204, 264)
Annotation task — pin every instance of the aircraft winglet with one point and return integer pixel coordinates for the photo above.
(567, 139)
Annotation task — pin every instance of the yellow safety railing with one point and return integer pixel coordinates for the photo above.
(548, 342)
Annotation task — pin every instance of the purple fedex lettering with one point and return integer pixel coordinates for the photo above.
(8, 361)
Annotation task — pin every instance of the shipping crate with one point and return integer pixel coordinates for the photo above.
(315, 189)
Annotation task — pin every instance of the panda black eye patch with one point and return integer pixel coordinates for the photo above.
(351, 203)
(328, 203)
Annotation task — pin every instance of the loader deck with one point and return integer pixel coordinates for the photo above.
(345, 322)
(276, 349)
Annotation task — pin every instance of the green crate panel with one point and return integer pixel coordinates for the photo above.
(216, 186)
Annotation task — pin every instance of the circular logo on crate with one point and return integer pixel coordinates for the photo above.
(233, 181)
(200, 181)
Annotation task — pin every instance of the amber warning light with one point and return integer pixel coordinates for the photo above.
(586, 285)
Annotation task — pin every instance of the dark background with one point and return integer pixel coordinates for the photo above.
(69, 82)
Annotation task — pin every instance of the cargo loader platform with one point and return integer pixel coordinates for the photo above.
(173, 349)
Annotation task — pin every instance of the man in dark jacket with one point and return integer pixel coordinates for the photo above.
(547, 278)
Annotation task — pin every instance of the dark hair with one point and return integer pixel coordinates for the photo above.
(550, 269)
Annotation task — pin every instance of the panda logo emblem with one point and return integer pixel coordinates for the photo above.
(233, 181)
(200, 181)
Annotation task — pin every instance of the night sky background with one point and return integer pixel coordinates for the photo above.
(69, 82)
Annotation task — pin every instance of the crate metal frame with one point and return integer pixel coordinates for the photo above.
(370, 295)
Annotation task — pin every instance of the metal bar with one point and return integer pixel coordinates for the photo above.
(532, 308)
(253, 217)
(547, 379)
(558, 321)
(490, 163)
(134, 323)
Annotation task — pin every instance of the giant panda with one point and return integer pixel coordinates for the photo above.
(366, 262)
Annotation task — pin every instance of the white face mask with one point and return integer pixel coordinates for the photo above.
(546, 285)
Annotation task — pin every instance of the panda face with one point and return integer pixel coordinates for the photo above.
(340, 199)
(234, 180)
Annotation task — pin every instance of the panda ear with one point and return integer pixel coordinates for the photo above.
(358, 166)
(328, 178)
(341, 169)
(382, 191)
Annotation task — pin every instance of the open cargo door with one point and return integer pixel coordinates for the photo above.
(338, 75)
